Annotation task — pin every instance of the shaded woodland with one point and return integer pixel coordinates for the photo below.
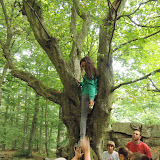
(42, 42)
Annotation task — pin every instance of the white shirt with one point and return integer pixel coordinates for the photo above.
(107, 156)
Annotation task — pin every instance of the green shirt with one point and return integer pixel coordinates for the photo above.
(89, 87)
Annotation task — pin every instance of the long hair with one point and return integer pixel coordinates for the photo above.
(125, 151)
(91, 70)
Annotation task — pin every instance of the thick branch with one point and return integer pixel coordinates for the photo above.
(6, 46)
(34, 15)
(38, 86)
(139, 79)
(80, 10)
(4, 12)
(79, 39)
(37, 17)
(117, 6)
(49, 44)
(136, 39)
(108, 27)
(73, 22)
(9, 32)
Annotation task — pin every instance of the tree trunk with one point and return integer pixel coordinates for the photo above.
(40, 132)
(103, 107)
(33, 128)
(96, 124)
(50, 136)
(60, 135)
(46, 130)
(25, 114)
(1, 81)
(4, 128)
(5, 117)
(17, 109)
(37, 141)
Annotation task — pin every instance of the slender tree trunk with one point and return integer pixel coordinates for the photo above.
(4, 128)
(46, 129)
(27, 123)
(24, 129)
(5, 117)
(17, 109)
(1, 81)
(40, 132)
(37, 140)
(46, 123)
(13, 120)
(33, 127)
(50, 135)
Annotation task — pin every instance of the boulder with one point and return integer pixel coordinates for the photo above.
(155, 131)
(121, 134)
(128, 128)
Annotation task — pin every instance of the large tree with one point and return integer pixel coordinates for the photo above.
(84, 16)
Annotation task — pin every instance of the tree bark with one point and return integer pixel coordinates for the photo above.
(4, 128)
(25, 121)
(4, 125)
(60, 134)
(33, 127)
(40, 132)
(1, 81)
(46, 130)
(14, 144)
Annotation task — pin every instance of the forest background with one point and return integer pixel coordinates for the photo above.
(33, 120)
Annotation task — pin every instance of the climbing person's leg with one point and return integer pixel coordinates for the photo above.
(84, 114)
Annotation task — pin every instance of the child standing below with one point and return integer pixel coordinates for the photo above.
(110, 154)
(124, 153)
(89, 90)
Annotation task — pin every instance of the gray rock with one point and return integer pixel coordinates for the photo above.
(155, 131)
(122, 128)
(128, 128)
(122, 133)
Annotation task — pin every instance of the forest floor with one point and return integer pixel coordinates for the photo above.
(8, 155)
